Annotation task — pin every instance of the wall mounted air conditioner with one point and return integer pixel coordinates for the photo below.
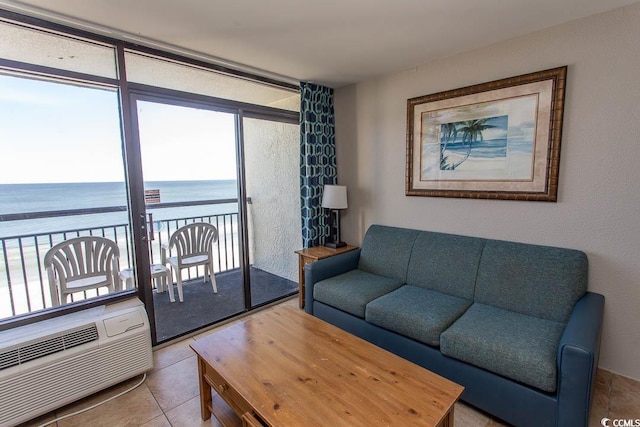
(49, 364)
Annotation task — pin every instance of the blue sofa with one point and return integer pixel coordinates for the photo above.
(511, 322)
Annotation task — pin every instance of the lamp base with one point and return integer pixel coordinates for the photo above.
(335, 245)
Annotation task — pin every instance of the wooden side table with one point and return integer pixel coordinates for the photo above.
(306, 256)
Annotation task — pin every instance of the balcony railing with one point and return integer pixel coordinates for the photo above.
(24, 286)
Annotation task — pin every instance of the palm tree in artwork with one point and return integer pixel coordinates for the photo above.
(471, 132)
(450, 133)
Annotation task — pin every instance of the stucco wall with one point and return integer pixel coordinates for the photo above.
(598, 210)
(272, 152)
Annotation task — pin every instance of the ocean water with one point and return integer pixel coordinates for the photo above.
(25, 198)
(496, 148)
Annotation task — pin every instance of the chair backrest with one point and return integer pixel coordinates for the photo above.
(193, 240)
(82, 257)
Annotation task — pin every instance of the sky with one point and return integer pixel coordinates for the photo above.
(52, 132)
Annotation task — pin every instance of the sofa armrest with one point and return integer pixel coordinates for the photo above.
(578, 355)
(323, 269)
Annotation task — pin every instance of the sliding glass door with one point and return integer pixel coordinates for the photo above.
(106, 140)
(187, 162)
(189, 167)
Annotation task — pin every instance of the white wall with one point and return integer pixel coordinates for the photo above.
(598, 208)
(272, 155)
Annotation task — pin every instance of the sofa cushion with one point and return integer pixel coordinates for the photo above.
(416, 312)
(386, 251)
(539, 281)
(352, 291)
(445, 263)
(513, 345)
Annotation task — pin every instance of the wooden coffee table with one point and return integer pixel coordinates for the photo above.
(284, 367)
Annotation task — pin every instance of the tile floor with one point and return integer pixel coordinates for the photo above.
(170, 397)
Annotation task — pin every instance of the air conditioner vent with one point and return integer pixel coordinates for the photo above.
(9, 358)
(81, 336)
(48, 345)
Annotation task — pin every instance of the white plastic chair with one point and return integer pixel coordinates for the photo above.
(81, 264)
(194, 244)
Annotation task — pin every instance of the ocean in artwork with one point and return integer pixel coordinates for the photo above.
(472, 140)
(481, 142)
(27, 198)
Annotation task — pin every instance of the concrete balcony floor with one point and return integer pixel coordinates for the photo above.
(203, 307)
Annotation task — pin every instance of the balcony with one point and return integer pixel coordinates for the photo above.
(24, 286)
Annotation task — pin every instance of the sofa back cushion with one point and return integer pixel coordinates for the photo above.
(445, 263)
(540, 281)
(386, 251)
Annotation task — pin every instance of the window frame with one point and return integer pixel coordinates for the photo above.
(125, 91)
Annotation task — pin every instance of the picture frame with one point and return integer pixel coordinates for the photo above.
(495, 140)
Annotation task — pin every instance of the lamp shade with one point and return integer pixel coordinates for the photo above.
(334, 197)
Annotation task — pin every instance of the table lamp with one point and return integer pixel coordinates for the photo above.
(334, 197)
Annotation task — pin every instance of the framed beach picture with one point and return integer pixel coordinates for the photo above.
(496, 140)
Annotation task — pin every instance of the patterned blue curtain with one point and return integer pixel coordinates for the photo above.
(317, 159)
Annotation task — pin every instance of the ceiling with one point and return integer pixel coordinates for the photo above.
(332, 42)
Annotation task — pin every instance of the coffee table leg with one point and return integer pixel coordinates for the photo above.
(205, 392)
(448, 419)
